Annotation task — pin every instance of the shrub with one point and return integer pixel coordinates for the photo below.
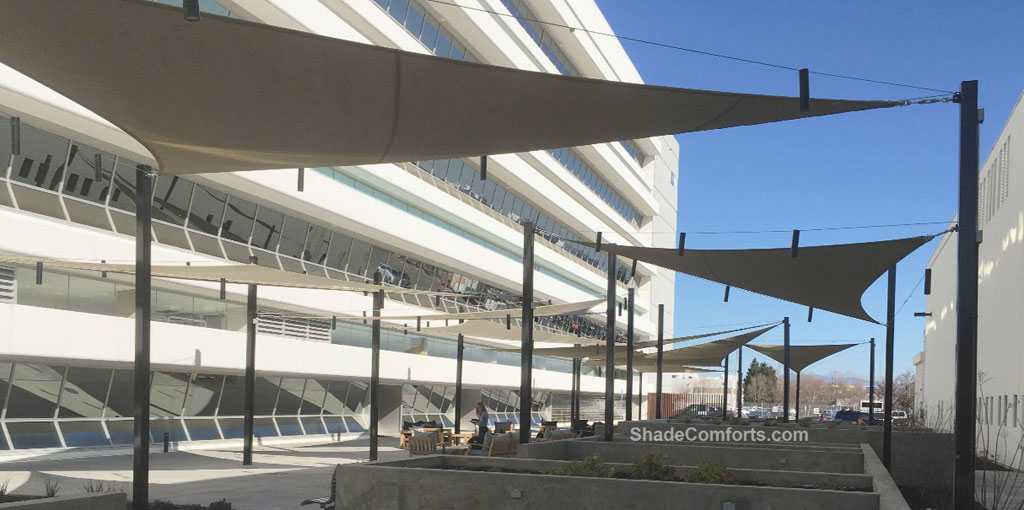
(717, 421)
(50, 487)
(221, 504)
(804, 422)
(650, 467)
(3, 486)
(592, 467)
(100, 486)
(708, 472)
(771, 422)
(833, 425)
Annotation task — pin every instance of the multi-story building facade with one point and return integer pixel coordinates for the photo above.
(66, 342)
(1000, 303)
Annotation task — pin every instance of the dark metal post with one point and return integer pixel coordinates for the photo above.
(890, 331)
(378, 303)
(871, 385)
(739, 382)
(661, 359)
(798, 396)
(785, 371)
(579, 386)
(725, 389)
(143, 271)
(459, 353)
(248, 420)
(640, 395)
(572, 394)
(629, 355)
(526, 349)
(609, 364)
(967, 302)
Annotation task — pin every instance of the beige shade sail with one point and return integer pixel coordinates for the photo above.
(674, 368)
(831, 278)
(222, 95)
(800, 356)
(488, 330)
(515, 313)
(251, 274)
(597, 351)
(707, 354)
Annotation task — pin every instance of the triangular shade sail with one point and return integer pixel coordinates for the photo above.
(222, 94)
(800, 356)
(240, 273)
(488, 330)
(597, 351)
(829, 278)
(706, 354)
(674, 368)
(514, 313)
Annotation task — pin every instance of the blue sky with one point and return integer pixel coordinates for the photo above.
(897, 165)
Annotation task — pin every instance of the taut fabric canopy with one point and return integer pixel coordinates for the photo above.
(597, 351)
(800, 356)
(224, 94)
(674, 368)
(829, 278)
(488, 330)
(708, 354)
(240, 273)
(515, 313)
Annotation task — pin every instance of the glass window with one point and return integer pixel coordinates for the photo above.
(232, 403)
(171, 427)
(33, 434)
(5, 145)
(444, 43)
(34, 391)
(53, 293)
(356, 398)
(379, 262)
(313, 398)
(317, 243)
(429, 34)
(414, 21)
(293, 237)
(357, 262)
(289, 399)
(92, 296)
(81, 180)
(123, 194)
(201, 399)
(337, 255)
(207, 211)
(167, 394)
(121, 400)
(171, 197)
(202, 430)
(267, 230)
(238, 220)
(85, 390)
(42, 158)
(399, 9)
(83, 433)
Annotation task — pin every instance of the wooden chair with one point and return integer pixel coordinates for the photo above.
(422, 445)
(501, 447)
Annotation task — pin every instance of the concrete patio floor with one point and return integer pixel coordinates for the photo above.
(280, 477)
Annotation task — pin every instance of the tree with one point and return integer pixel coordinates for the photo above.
(760, 383)
(903, 389)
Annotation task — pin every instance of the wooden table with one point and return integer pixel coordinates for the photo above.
(461, 437)
(457, 450)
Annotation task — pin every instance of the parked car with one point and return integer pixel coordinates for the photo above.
(855, 415)
(900, 417)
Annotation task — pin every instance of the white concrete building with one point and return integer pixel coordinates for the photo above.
(66, 345)
(1000, 307)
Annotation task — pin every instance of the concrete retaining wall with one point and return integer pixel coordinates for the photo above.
(393, 486)
(922, 460)
(842, 460)
(105, 501)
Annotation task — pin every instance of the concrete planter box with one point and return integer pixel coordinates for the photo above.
(821, 459)
(452, 482)
(920, 459)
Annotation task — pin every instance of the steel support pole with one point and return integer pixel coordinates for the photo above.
(579, 386)
(249, 403)
(526, 358)
(890, 325)
(967, 302)
(641, 398)
(661, 359)
(725, 389)
(629, 356)
(378, 303)
(739, 382)
(785, 370)
(572, 394)
(798, 396)
(459, 353)
(143, 270)
(871, 384)
(609, 364)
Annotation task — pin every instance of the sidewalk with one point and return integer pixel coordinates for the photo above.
(280, 477)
